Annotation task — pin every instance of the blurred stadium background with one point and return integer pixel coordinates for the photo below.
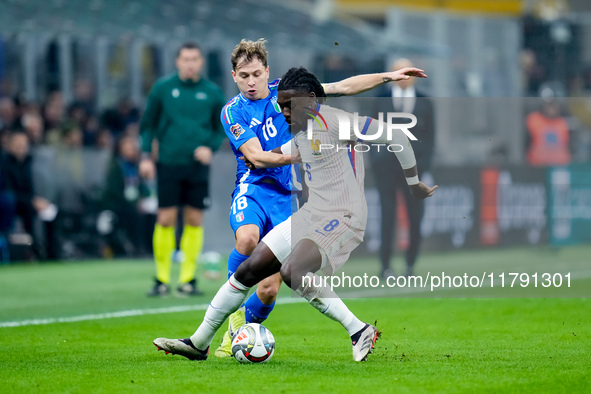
(88, 66)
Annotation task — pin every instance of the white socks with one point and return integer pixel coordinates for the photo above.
(227, 300)
(329, 304)
(233, 294)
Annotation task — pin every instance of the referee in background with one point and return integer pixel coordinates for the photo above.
(182, 115)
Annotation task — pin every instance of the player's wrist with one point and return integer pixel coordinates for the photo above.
(386, 77)
(413, 180)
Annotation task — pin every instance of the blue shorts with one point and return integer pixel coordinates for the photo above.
(265, 205)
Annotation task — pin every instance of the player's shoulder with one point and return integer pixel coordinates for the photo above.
(236, 102)
(331, 113)
(274, 84)
(169, 79)
(233, 109)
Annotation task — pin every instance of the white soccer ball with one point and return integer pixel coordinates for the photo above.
(253, 343)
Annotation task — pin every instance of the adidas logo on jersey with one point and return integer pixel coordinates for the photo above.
(255, 122)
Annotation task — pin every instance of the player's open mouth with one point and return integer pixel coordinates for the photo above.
(252, 91)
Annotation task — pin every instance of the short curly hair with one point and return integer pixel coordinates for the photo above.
(301, 80)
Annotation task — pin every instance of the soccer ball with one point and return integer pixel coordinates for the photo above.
(253, 343)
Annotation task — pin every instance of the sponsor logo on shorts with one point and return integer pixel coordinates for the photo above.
(237, 130)
(239, 217)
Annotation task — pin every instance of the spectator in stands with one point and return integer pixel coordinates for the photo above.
(17, 173)
(4, 137)
(33, 126)
(547, 138)
(79, 114)
(54, 112)
(84, 96)
(122, 191)
(8, 114)
(104, 140)
(117, 119)
(91, 131)
(7, 211)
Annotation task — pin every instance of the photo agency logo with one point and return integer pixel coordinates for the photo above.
(367, 137)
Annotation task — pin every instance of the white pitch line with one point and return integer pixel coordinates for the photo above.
(201, 307)
(129, 313)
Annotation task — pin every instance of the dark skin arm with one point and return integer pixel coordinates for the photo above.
(420, 190)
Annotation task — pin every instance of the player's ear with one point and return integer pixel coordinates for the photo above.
(234, 75)
(267, 71)
(312, 99)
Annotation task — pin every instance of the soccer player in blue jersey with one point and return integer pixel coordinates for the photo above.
(262, 198)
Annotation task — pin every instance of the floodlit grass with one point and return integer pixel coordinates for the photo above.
(428, 344)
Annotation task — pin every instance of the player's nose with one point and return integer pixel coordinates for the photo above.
(286, 113)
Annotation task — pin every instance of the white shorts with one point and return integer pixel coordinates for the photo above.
(331, 232)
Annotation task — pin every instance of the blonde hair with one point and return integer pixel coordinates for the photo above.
(248, 50)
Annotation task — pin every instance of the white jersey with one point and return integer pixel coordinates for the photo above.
(334, 171)
(335, 214)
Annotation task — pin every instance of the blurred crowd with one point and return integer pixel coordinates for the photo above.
(69, 180)
(49, 223)
(76, 125)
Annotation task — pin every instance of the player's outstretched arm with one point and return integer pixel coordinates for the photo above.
(362, 83)
(254, 153)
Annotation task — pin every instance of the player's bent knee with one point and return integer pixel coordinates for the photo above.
(269, 287)
(246, 242)
(259, 266)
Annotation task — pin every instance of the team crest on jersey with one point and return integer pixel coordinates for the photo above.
(240, 216)
(237, 130)
(275, 105)
(315, 147)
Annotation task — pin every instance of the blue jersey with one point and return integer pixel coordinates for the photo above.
(244, 119)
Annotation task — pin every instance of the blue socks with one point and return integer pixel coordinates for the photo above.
(234, 261)
(255, 310)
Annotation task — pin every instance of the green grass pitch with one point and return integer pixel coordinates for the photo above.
(537, 343)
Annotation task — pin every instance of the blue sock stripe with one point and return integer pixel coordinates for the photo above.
(234, 260)
(255, 310)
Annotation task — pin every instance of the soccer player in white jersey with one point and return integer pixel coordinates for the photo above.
(323, 233)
